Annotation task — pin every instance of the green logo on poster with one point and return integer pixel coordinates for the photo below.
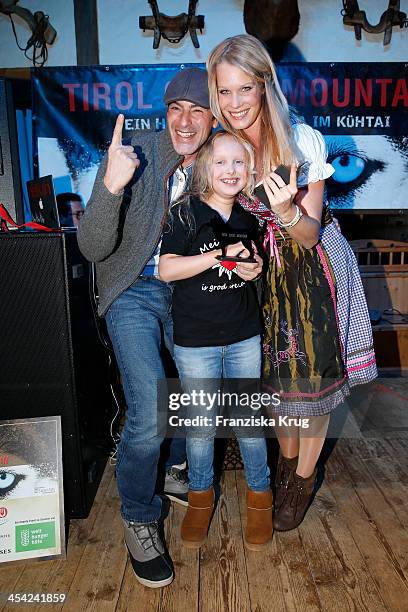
(35, 536)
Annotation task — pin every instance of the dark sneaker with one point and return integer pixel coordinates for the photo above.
(176, 485)
(150, 561)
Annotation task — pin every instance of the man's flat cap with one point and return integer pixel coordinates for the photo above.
(190, 84)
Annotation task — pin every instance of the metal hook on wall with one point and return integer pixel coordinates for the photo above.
(43, 33)
(352, 16)
(172, 28)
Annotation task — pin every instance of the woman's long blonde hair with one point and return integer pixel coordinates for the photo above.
(249, 54)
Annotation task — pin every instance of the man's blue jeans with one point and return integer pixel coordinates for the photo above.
(238, 360)
(135, 322)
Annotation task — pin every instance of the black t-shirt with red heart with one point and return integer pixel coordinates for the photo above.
(215, 307)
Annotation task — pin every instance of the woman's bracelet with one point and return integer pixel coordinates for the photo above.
(296, 219)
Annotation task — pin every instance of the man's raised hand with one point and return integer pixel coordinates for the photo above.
(122, 161)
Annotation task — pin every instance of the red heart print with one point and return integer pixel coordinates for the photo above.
(230, 265)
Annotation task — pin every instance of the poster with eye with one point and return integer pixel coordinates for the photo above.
(359, 108)
(31, 489)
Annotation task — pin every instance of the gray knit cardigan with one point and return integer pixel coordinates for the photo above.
(121, 232)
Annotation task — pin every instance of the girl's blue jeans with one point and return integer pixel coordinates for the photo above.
(238, 360)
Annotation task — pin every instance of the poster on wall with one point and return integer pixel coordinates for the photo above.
(31, 491)
(361, 109)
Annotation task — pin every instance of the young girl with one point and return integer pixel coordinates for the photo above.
(216, 325)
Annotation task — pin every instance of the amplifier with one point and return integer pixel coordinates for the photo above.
(52, 362)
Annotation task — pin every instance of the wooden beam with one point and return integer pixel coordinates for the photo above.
(16, 73)
(86, 32)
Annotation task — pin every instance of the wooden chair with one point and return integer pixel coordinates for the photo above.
(384, 271)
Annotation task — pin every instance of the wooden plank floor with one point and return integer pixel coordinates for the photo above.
(350, 553)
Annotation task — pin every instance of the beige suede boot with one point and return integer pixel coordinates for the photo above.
(259, 527)
(196, 522)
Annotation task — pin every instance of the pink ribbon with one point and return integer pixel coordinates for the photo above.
(259, 210)
(270, 237)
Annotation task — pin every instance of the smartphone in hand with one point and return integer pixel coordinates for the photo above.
(260, 193)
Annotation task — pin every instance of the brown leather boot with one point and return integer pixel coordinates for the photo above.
(194, 527)
(284, 474)
(259, 526)
(295, 503)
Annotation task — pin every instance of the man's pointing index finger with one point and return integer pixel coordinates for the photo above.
(117, 132)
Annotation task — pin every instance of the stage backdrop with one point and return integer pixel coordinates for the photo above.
(361, 109)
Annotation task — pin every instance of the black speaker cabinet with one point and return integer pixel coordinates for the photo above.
(10, 182)
(52, 362)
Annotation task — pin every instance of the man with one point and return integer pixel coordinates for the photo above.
(121, 231)
(70, 209)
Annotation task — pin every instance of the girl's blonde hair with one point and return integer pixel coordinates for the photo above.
(248, 53)
(201, 180)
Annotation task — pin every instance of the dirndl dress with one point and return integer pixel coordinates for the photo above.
(317, 333)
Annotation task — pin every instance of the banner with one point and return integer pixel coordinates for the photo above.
(31, 493)
(361, 109)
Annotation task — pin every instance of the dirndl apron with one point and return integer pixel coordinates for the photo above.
(302, 352)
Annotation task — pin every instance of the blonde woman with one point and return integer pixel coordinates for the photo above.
(317, 335)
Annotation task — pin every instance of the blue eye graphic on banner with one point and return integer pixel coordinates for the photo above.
(361, 109)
